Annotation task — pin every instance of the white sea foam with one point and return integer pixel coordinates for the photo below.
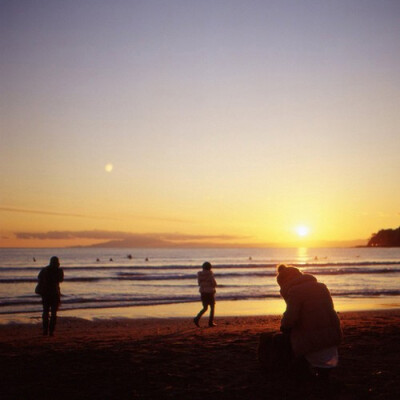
(168, 276)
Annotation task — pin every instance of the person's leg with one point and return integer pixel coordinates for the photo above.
(301, 370)
(211, 318)
(45, 316)
(323, 374)
(53, 318)
(205, 302)
(202, 311)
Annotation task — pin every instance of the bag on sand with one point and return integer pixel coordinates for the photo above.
(274, 352)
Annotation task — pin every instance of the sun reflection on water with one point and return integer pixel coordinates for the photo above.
(302, 255)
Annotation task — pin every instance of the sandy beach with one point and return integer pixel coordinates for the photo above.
(172, 359)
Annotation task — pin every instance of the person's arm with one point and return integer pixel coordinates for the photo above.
(60, 275)
(291, 315)
(212, 280)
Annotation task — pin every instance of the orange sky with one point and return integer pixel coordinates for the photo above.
(218, 122)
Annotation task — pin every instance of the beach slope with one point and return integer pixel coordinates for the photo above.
(172, 359)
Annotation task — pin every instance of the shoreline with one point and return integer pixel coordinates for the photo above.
(172, 359)
(224, 308)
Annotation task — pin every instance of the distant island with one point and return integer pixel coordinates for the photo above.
(385, 238)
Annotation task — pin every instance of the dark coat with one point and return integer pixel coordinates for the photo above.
(50, 278)
(310, 315)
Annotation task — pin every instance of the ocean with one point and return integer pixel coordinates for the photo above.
(158, 282)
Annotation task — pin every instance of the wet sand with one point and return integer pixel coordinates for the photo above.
(173, 359)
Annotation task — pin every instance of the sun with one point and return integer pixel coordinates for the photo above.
(302, 230)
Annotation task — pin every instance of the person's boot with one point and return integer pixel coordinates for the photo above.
(53, 320)
(45, 326)
(196, 321)
(323, 376)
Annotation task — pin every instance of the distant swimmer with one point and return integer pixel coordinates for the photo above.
(111, 259)
(129, 256)
(34, 259)
(250, 258)
(147, 259)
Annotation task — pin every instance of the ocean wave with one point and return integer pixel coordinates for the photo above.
(350, 271)
(135, 276)
(124, 267)
(34, 280)
(130, 301)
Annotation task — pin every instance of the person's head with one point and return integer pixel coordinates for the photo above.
(286, 274)
(207, 266)
(54, 262)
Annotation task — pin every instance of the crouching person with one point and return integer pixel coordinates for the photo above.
(311, 322)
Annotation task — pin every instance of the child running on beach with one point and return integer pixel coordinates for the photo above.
(207, 285)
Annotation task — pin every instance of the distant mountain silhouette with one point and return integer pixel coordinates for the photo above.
(385, 238)
(158, 242)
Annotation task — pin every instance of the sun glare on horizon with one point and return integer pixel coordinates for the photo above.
(302, 230)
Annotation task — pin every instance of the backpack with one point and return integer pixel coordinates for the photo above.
(40, 287)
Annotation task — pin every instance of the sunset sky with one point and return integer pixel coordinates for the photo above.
(230, 122)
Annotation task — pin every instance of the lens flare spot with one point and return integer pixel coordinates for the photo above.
(109, 167)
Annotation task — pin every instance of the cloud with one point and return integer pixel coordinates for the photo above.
(127, 239)
(42, 212)
(180, 237)
(64, 235)
(62, 214)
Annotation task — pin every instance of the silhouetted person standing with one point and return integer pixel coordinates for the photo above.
(207, 290)
(49, 282)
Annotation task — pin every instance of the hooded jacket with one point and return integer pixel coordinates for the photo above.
(310, 315)
(206, 281)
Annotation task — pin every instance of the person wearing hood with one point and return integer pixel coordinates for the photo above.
(310, 319)
(49, 281)
(207, 285)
